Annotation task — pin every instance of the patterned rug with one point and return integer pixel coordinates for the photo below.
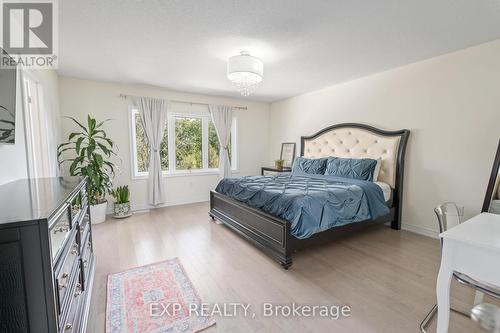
(153, 298)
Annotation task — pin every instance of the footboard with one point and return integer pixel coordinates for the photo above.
(269, 233)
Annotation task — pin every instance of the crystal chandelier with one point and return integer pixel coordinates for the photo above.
(246, 72)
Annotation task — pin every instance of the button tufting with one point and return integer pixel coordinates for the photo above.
(357, 141)
(366, 150)
(326, 142)
(385, 151)
(376, 141)
(348, 133)
(341, 142)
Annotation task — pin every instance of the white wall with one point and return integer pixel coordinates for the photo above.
(450, 103)
(102, 100)
(13, 158)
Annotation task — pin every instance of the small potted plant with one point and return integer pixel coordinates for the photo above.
(121, 207)
(279, 164)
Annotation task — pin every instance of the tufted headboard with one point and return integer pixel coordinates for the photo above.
(363, 141)
(357, 141)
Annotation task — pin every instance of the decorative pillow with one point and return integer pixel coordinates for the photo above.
(309, 165)
(363, 168)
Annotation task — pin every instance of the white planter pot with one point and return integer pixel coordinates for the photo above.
(121, 210)
(98, 212)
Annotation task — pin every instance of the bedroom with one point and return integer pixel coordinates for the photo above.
(345, 124)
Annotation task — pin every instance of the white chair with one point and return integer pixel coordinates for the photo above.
(449, 214)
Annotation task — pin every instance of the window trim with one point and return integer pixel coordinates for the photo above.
(172, 172)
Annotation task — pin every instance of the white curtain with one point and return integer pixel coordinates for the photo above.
(153, 114)
(222, 117)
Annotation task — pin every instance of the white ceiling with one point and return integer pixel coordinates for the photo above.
(305, 45)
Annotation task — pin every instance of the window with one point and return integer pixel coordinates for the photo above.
(190, 144)
(142, 150)
(188, 137)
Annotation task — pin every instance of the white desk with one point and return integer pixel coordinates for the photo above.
(472, 248)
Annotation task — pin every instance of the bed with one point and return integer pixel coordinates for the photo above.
(285, 213)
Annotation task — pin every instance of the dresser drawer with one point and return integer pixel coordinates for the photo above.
(84, 230)
(86, 258)
(60, 227)
(65, 271)
(78, 204)
(68, 322)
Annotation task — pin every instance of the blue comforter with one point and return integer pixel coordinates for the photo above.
(311, 203)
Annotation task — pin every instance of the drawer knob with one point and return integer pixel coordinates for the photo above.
(61, 229)
(63, 281)
(68, 326)
(78, 290)
(74, 249)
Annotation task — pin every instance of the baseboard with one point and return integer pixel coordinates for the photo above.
(420, 230)
(147, 208)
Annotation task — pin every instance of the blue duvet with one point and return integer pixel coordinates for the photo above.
(311, 203)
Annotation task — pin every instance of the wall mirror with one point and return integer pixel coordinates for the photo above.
(492, 199)
(7, 101)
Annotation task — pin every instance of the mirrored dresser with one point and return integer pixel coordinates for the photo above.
(46, 257)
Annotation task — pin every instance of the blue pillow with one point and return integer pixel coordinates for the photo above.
(309, 165)
(361, 168)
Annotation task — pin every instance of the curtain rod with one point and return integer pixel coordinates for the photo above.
(124, 96)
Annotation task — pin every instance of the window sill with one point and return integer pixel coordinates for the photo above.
(182, 173)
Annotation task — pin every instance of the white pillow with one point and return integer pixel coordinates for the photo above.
(377, 169)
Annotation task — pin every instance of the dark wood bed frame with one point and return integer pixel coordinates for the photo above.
(272, 234)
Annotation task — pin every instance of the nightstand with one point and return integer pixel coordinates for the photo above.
(269, 171)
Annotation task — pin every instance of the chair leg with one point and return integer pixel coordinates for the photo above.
(428, 318)
(432, 314)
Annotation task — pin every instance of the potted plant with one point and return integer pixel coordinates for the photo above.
(121, 206)
(279, 164)
(91, 150)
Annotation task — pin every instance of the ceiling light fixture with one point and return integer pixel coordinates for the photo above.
(246, 72)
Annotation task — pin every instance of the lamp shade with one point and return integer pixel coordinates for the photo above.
(245, 71)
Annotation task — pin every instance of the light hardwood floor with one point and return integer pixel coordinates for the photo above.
(387, 277)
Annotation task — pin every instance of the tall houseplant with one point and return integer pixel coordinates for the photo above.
(89, 150)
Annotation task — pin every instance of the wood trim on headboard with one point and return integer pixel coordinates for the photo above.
(398, 188)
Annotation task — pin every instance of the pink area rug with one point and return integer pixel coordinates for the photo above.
(153, 298)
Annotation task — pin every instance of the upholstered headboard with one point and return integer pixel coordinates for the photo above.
(358, 141)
